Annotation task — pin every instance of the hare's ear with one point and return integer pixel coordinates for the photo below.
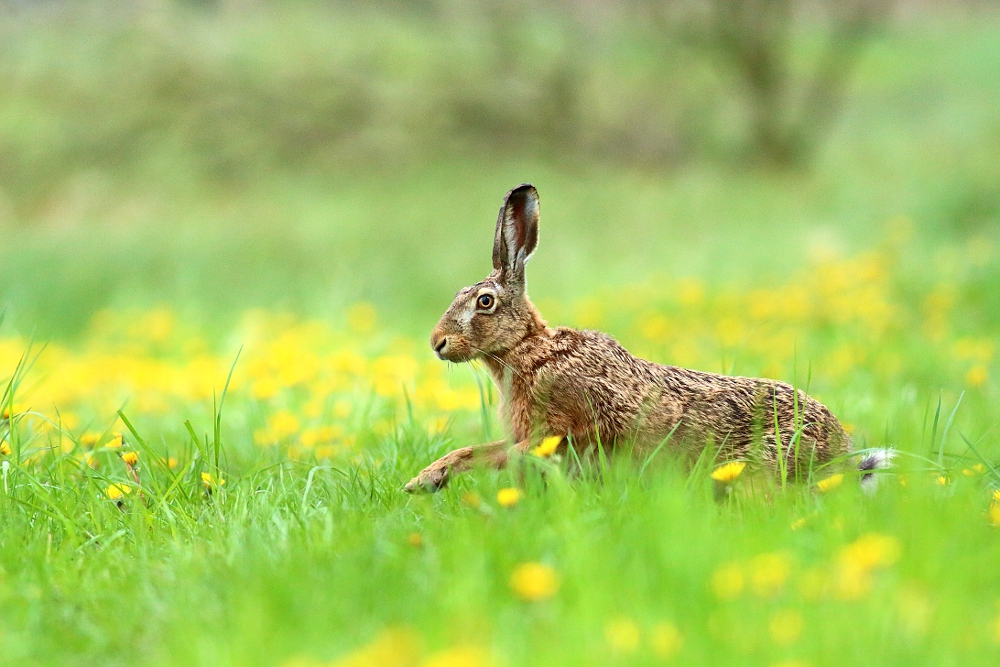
(517, 234)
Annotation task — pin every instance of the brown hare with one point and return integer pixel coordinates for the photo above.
(583, 384)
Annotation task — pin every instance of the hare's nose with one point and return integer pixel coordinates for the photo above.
(439, 342)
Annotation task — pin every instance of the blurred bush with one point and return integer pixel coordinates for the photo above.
(231, 89)
(788, 61)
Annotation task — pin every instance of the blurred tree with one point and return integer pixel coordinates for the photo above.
(790, 105)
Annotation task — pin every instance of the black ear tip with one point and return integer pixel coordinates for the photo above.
(524, 189)
(521, 195)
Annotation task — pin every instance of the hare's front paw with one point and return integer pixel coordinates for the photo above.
(431, 479)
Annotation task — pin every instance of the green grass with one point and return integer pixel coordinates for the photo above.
(292, 560)
(110, 203)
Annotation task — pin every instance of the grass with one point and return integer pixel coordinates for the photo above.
(262, 522)
(309, 561)
(260, 345)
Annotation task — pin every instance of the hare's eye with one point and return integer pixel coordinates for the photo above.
(485, 301)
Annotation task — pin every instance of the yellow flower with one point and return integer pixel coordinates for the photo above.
(977, 376)
(785, 626)
(395, 647)
(727, 581)
(508, 497)
(534, 581)
(996, 495)
(798, 524)
(830, 483)
(130, 458)
(872, 550)
(993, 513)
(623, 635)
(115, 442)
(859, 559)
(973, 470)
(459, 656)
(942, 480)
(171, 462)
(208, 479)
(768, 573)
(548, 446)
(4, 448)
(89, 440)
(727, 473)
(116, 491)
(666, 640)
(6, 411)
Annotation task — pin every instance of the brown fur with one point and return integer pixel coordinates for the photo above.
(585, 384)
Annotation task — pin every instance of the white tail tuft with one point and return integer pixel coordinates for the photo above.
(880, 459)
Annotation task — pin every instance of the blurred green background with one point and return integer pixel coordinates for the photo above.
(217, 156)
(816, 180)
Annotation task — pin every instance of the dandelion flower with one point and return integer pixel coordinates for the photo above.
(6, 411)
(459, 656)
(666, 640)
(996, 495)
(117, 491)
(548, 446)
(210, 482)
(508, 497)
(860, 558)
(534, 581)
(130, 458)
(942, 480)
(993, 514)
(728, 473)
(116, 441)
(768, 574)
(4, 448)
(977, 376)
(785, 627)
(727, 581)
(872, 550)
(394, 647)
(830, 483)
(623, 635)
(973, 470)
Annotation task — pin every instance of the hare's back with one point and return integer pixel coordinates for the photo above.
(742, 409)
(587, 379)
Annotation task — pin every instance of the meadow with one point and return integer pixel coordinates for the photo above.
(215, 387)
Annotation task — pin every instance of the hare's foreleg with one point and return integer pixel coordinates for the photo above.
(436, 475)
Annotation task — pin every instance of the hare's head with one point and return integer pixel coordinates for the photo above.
(492, 316)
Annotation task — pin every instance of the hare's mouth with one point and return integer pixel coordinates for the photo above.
(456, 356)
(452, 348)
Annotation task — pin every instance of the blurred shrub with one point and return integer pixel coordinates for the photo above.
(225, 92)
(229, 91)
(787, 61)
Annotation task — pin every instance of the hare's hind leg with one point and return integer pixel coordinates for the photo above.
(436, 475)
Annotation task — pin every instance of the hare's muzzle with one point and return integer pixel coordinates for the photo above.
(439, 343)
